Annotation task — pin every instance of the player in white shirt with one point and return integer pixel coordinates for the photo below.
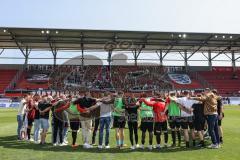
(187, 116)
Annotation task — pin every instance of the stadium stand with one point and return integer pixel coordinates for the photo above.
(6, 78)
(225, 81)
(127, 78)
(24, 83)
(133, 78)
(195, 84)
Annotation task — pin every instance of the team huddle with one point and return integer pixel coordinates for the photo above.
(155, 115)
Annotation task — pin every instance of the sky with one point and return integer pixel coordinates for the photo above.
(211, 16)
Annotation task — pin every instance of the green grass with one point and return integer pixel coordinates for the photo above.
(11, 149)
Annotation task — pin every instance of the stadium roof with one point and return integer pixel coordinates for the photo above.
(104, 40)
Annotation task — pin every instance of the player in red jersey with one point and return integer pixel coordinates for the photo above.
(160, 119)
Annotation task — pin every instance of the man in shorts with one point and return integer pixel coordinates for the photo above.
(119, 119)
(199, 121)
(174, 114)
(147, 120)
(187, 117)
(44, 107)
(160, 118)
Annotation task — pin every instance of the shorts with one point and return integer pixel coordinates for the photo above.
(75, 125)
(174, 122)
(187, 122)
(30, 122)
(119, 122)
(160, 127)
(44, 123)
(199, 124)
(147, 126)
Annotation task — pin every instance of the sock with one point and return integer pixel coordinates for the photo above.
(74, 137)
(143, 137)
(136, 139)
(28, 133)
(187, 144)
(179, 136)
(174, 137)
(158, 138)
(194, 143)
(93, 139)
(150, 138)
(118, 142)
(166, 138)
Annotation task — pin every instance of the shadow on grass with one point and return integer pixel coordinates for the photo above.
(11, 143)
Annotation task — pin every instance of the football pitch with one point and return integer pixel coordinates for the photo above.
(11, 149)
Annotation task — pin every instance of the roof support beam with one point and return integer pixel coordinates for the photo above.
(237, 58)
(160, 55)
(203, 43)
(185, 60)
(182, 54)
(136, 52)
(210, 60)
(169, 49)
(222, 52)
(17, 43)
(204, 55)
(233, 61)
(109, 59)
(2, 51)
(26, 55)
(216, 56)
(25, 52)
(191, 55)
(82, 49)
(164, 55)
(228, 55)
(171, 46)
(54, 51)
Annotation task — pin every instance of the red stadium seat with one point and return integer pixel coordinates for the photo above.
(6, 78)
(222, 80)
